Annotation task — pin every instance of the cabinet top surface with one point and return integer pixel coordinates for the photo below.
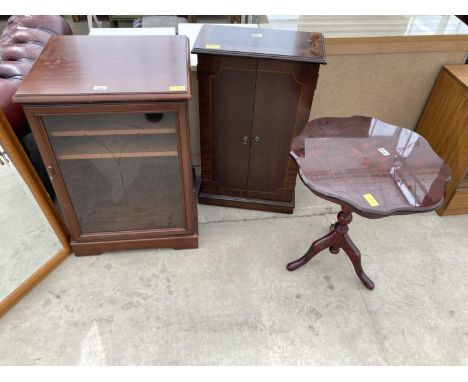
(460, 72)
(261, 43)
(375, 168)
(109, 68)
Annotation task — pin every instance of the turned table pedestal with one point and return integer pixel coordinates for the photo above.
(368, 167)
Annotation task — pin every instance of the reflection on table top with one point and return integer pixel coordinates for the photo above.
(376, 168)
(370, 26)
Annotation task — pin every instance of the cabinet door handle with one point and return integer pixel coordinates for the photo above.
(257, 140)
(244, 140)
(50, 171)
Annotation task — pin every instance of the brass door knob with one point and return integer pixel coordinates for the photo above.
(244, 140)
(257, 140)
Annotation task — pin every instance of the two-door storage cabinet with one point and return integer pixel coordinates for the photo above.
(255, 93)
(109, 114)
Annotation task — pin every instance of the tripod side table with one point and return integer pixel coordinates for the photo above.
(368, 167)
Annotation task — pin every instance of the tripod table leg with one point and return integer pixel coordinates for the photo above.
(355, 257)
(316, 247)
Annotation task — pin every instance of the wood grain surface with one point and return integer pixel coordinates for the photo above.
(109, 68)
(444, 124)
(24, 166)
(261, 43)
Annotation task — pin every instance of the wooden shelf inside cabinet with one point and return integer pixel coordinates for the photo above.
(115, 140)
(90, 133)
(114, 146)
(110, 124)
(118, 155)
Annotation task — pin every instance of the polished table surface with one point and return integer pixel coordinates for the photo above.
(375, 168)
(368, 167)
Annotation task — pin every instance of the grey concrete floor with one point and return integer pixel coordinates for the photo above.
(231, 301)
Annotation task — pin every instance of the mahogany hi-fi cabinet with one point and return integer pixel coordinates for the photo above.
(255, 93)
(109, 114)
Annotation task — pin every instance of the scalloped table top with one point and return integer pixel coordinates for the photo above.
(375, 168)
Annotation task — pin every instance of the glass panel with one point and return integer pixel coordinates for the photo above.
(121, 170)
(27, 240)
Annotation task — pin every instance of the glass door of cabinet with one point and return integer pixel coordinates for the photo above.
(121, 171)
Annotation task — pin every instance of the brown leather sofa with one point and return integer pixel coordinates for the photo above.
(21, 41)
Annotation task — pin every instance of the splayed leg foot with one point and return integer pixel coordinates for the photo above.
(355, 257)
(316, 247)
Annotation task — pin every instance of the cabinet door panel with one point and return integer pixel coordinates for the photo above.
(276, 102)
(128, 194)
(226, 113)
(284, 93)
(232, 99)
(120, 170)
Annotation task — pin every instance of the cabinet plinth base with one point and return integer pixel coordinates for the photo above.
(96, 248)
(246, 203)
